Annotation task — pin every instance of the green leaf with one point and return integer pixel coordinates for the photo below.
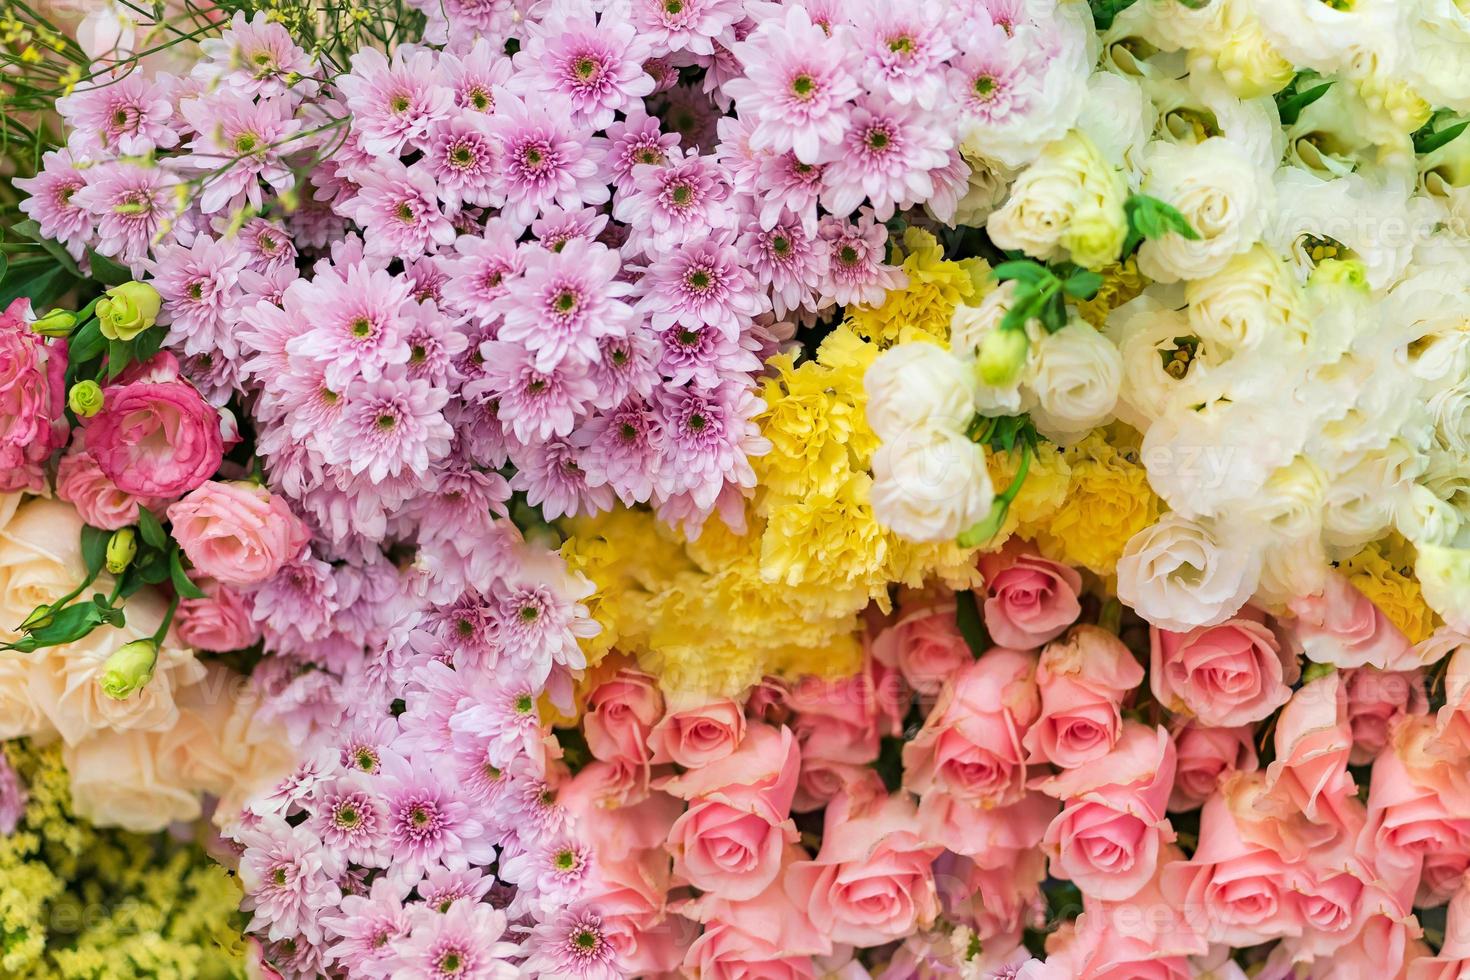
(153, 532)
(967, 619)
(87, 343)
(119, 356)
(1083, 284)
(1429, 142)
(182, 584)
(1032, 273)
(29, 229)
(4, 265)
(152, 568)
(67, 626)
(1149, 217)
(147, 343)
(1104, 12)
(1290, 102)
(42, 281)
(106, 271)
(94, 547)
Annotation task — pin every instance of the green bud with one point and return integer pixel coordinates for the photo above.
(128, 310)
(39, 617)
(1315, 670)
(1002, 355)
(129, 669)
(57, 323)
(85, 398)
(1340, 272)
(122, 547)
(986, 529)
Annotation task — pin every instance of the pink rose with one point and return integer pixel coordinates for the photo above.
(731, 838)
(1418, 800)
(767, 936)
(620, 714)
(1084, 678)
(725, 951)
(970, 745)
(32, 401)
(81, 483)
(237, 533)
(1313, 742)
(1109, 835)
(1452, 722)
(1374, 699)
(872, 882)
(996, 895)
(1233, 890)
(767, 701)
(1027, 599)
(821, 780)
(219, 623)
(1098, 952)
(925, 646)
(985, 834)
(1342, 627)
(1440, 877)
(698, 736)
(844, 720)
(156, 438)
(630, 891)
(1453, 961)
(1205, 756)
(1234, 673)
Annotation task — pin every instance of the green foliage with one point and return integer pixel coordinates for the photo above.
(1441, 129)
(1041, 291)
(1298, 94)
(1149, 217)
(1104, 12)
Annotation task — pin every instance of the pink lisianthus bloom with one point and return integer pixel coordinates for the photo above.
(1027, 600)
(32, 400)
(155, 438)
(1232, 673)
(1084, 678)
(237, 533)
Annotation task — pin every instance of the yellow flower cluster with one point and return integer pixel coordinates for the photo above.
(1384, 572)
(713, 614)
(78, 903)
(922, 309)
(1120, 284)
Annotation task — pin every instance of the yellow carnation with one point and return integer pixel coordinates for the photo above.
(1392, 588)
(1108, 501)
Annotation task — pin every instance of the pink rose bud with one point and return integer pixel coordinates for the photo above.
(156, 439)
(1084, 678)
(925, 646)
(237, 533)
(1374, 699)
(620, 714)
(1206, 755)
(1027, 600)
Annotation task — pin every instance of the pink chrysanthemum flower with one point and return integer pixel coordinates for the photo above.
(573, 944)
(441, 888)
(539, 615)
(689, 112)
(504, 719)
(705, 438)
(596, 65)
(254, 57)
(310, 407)
(617, 450)
(481, 269)
(787, 184)
(365, 744)
(686, 25)
(298, 600)
(13, 797)
(564, 302)
(49, 202)
(951, 183)
(552, 478)
(637, 139)
(903, 50)
(427, 278)
(989, 81)
(461, 159)
(395, 104)
(701, 283)
(679, 200)
(461, 944)
(391, 426)
(287, 880)
(428, 824)
(553, 872)
(534, 404)
(357, 329)
(703, 355)
(363, 933)
(886, 157)
(545, 159)
(433, 346)
(350, 821)
(787, 261)
(198, 284)
(267, 245)
(557, 226)
(437, 694)
(398, 208)
(129, 116)
(239, 144)
(856, 270)
(625, 366)
(453, 21)
(797, 86)
(480, 780)
(475, 75)
(131, 204)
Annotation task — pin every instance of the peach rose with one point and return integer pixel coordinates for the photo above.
(219, 623)
(1452, 722)
(1313, 742)
(1453, 961)
(769, 935)
(698, 736)
(116, 781)
(1112, 828)
(1027, 599)
(1233, 673)
(872, 882)
(925, 646)
(237, 533)
(1418, 800)
(731, 838)
(844, 720)
(1342, 627)
(1374, 699)
(821, 780)
(1205, 755)
(982, 833)
(970, 745)
(620, 714)
(1083, 678)
(40, 557)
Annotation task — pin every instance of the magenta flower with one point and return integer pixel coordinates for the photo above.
(199, 284)
(395, 104)
(398, 208)
(391, 426)
(463, 943)
(545, 159)
(786, 261)
(701, 283)
(797, 86)
(637, 139)
(596, 66)
(32, 401)
(564, 302)
(128, 116)
(287, 879)
(48, 201)
(363, 933)
(357, 329)
(552, 478)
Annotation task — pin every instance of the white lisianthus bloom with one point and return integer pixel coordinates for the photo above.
(1253, 297)
(1444, 575)
(1244, 56)
(1430, 310)
(1439, 35)
(1363, 496)
(1317, 35)
(1201, 106)
(1289, 569)
(988, 185)
(968, 329)
(1425, 519)
(1073, 382)
(1069, 202)
(1179, 574)
(1374, 222)
(1118, 119)
(930, 484)
(1158, 369)
(910, 386)
(1223, 195)
(1450, 409)
(1289, 504)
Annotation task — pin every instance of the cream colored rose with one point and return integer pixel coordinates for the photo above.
(20, 716)
(40, 558)
(1069, 201)
(917, 384)
(1224, 195)
(1178, 574)
(930, 484)
(1444, 575)
(117, 781)
(1253, 298)
(1074, 381)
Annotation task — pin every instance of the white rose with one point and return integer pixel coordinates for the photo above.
(40, 558)
(1223, 194)
(910, 386)
(1074, 380)
(116, 781)
(1425, 519)
(1069, 200)
(1289, 504)
(1253, 297)
(1178, 575)
(930, 484)
(1444, 575)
